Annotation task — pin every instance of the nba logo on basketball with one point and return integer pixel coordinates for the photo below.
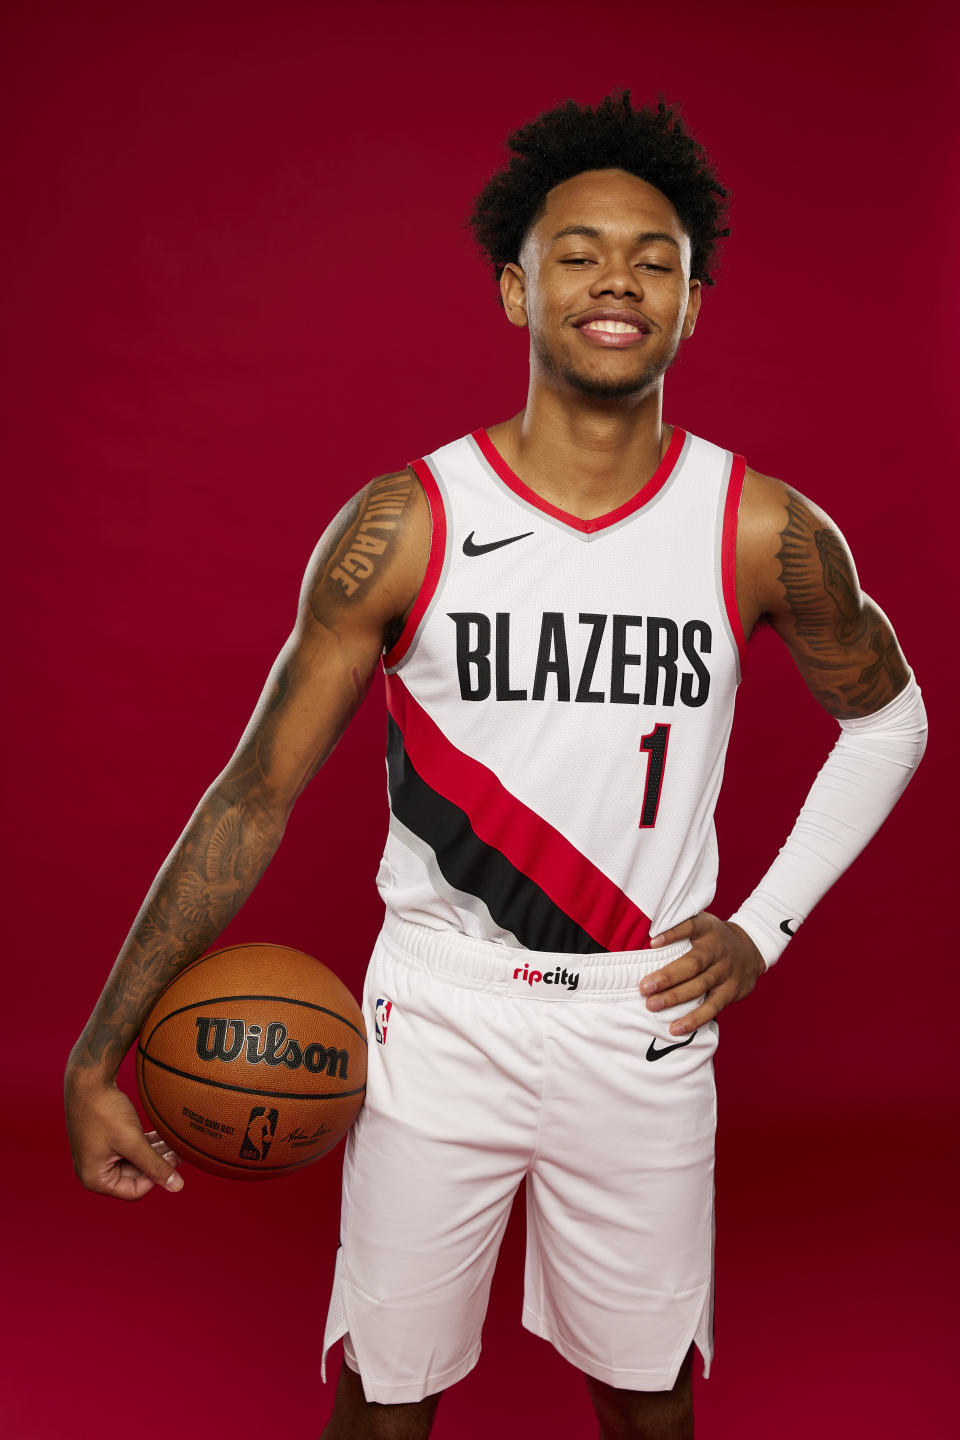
(259, 1133)
(381, 1017)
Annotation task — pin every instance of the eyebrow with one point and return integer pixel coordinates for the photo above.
(591, 233)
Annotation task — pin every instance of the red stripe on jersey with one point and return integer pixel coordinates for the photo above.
(528, 841)
(600, 522)
(728, 553)
(431, 579)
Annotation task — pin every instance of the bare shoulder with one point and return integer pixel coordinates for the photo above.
(795, 571)
(780, 530)
(369, 564)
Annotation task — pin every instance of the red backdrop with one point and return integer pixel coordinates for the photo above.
(209, 210)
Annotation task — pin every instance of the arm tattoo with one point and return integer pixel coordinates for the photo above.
(237, 827)
(840, 584)
(371, 541)
(212, 870)
(844, 645)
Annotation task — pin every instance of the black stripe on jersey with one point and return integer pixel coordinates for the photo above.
(516, 903)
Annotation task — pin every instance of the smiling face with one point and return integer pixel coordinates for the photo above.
(604, 286)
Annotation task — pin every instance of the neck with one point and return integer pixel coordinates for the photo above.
(585, 455)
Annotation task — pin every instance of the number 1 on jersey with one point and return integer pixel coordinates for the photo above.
(655, 745)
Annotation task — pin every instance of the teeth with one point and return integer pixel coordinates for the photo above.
(613, 327)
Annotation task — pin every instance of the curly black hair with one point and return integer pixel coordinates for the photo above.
(652, 143)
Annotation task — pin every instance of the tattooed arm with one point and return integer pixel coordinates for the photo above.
(795, 572)
(359, 587)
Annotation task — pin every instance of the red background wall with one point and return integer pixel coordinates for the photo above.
(237, 286)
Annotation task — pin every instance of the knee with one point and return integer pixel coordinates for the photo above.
(357, 1418)
(659, 1418)
(644, 1415)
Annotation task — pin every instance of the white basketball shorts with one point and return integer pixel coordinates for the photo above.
(489, 1065)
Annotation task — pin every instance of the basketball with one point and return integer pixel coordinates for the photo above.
(253, 1062)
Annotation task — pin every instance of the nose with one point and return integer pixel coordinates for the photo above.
(618, 278)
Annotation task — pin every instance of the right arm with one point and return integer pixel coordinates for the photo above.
(359, 587)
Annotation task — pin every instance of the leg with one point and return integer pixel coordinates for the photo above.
(645, 1414)
(357, 1418)
(429, 1175)
(620, 1207)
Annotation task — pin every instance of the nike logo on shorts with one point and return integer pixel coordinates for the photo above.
(471, 548)
(654, 1054)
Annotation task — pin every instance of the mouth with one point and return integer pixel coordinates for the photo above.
(612, 329)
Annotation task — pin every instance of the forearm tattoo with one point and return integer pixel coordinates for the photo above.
(843, 642)
(214, 867)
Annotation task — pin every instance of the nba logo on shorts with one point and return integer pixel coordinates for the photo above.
(259, 1133)
(381, 1016)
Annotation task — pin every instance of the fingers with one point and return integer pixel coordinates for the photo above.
(713, 983)
(138, 1183)
(127, 1182)
(153, 1157)
(664, 984)
(686, 930)
(112, 1155)
(721, 964)
(701, 971)
(699, 985)
(679, 971)
(130, 1165)
(709, 1010)
(162, 1148)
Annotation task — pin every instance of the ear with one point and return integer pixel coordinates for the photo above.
(513, 291)
(693, 310)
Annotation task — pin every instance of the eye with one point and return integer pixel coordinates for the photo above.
(647, 265)
(576, 260)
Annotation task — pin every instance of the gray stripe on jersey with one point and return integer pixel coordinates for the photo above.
(460, 899)
(718, 558)
(411, 648)
(571, 529)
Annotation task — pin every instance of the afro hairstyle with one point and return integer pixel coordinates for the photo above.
(652, 143)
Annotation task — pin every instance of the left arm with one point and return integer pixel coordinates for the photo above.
(795, 572)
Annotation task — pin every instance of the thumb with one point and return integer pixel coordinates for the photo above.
(148, 1161)
(163, 1164)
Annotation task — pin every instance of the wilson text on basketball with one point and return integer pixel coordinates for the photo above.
(220, 1038)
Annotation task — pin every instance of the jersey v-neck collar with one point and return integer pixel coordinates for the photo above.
(599, 522)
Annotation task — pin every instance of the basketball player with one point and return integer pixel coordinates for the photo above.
(561, 604)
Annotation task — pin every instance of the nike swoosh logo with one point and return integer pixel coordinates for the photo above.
(785, 927)
(654, 1054)
(470, 548)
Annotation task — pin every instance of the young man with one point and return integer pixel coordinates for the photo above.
(561, 604)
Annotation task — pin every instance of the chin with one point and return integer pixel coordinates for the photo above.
(608, 389)
(600, 386)
(612, 387)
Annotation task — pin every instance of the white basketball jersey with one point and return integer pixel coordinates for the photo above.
(560, 703)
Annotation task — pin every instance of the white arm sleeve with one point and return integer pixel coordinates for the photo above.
(864, 776)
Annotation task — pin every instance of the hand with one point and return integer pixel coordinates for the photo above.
(722, 964)
(111, 1153)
